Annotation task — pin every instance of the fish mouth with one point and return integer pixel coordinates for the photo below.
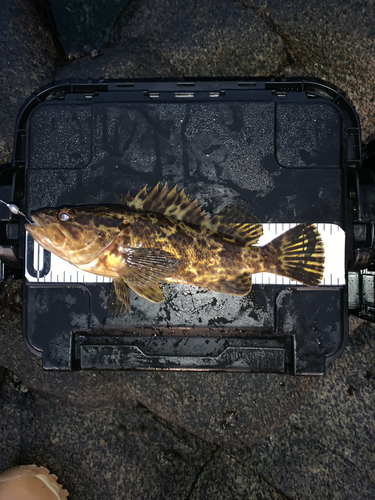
(30, 228)
(38, 233)
(43, 233)
(36, 219)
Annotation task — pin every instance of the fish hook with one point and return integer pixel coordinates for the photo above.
(16, 211)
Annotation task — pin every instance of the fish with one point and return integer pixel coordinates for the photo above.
(160, 236)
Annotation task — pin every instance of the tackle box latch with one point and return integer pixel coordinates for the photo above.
(361, 268)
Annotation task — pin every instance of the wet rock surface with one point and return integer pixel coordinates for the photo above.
(171, 435)
(28, 56)
(176, 39)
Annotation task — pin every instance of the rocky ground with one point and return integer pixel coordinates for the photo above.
(192, 436)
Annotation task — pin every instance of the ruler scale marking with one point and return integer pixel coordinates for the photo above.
(332, 235)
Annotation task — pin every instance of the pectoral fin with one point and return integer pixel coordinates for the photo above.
(151, 293)
(145, 267)
(118, 300)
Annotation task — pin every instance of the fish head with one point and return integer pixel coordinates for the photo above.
(77, 235)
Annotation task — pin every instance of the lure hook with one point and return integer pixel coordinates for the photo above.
(16, 211)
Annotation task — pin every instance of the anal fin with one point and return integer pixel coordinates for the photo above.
(240, 286)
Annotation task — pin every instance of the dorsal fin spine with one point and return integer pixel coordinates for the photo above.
(169, 203)
(234, 222)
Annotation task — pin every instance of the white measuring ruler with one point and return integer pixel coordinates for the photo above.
(43, 267)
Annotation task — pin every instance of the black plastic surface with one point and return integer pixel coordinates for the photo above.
(279, 150)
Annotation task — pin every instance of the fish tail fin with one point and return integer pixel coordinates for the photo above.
(299, 254)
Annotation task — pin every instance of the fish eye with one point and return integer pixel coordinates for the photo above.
(64, 216)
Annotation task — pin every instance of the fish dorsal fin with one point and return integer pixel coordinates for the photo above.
(233, 221)
(127, 199)
(238, 223)
(138, 199)
(171, 203)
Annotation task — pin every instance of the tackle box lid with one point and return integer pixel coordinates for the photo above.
(289, 151)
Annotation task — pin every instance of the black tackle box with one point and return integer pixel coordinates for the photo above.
(288, 151)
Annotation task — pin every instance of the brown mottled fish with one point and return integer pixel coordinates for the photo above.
(162, 237)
